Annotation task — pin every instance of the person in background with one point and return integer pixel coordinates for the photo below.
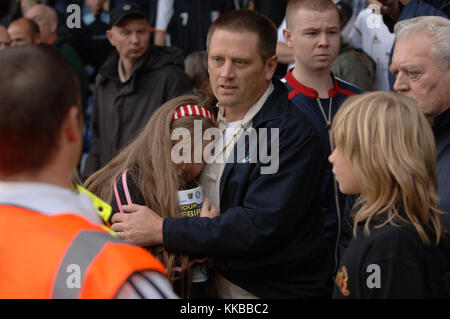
(132, 83)
(353, 64)
(313, 31)
(47, 20)
(370, 33)
(5, 40)
(23, 31)
(196, 67)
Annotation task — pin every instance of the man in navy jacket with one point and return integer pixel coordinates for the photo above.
(268, 240)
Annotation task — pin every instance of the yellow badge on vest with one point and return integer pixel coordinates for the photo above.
(102, 208)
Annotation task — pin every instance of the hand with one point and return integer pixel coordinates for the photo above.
(387, 8)
(138, 225)
(208, 210)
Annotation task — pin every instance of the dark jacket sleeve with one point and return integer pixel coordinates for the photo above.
(177, 82)
(93, 159)
(135, 194)
(274, 206)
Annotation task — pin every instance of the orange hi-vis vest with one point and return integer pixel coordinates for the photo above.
(43, 256)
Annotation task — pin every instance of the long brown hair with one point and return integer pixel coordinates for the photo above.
(391, 148)
(148, 160)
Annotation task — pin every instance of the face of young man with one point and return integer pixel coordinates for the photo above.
(238, 74)
(315, 38)
(130, 38)
(418, 76)
(344, 173)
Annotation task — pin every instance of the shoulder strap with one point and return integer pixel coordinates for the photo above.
(125, 189)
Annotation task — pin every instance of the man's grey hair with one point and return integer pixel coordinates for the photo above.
(437, 27)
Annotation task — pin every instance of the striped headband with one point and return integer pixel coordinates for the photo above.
(192, 109)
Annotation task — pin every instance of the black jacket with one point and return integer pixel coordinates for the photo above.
(269, 237)
(121, 110)
(441, 130)
(392, 262)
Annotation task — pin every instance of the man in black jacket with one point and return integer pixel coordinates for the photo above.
(268, 240)
(421, 66)
(132, 83)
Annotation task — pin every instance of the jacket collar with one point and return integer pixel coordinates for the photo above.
(155, 57)
(442, 120)
(275, 106)
(310, 92)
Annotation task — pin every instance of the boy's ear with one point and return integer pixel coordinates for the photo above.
(288, 37)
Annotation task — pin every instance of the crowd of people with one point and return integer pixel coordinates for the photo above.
(105, 127)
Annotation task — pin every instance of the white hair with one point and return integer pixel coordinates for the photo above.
(437, 27)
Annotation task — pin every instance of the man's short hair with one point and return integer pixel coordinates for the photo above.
(439, 30)
(248, 21)
(316, 5)
(34, 27)
(38, 89)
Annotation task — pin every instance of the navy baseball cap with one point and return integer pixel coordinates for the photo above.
(126, 9)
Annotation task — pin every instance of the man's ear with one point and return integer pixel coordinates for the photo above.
(270, 67)
(37, 38)
(110, 36)
(72, 125)
(287, 34)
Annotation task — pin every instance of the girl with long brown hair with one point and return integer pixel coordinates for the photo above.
(145, 169)
(385, 151)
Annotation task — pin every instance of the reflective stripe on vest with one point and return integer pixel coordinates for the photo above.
(39, 252)
(84, 248)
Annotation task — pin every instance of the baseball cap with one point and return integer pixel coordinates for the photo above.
(124, 10)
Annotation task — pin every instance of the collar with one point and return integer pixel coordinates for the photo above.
(441, 120)
(246, 121)
(48, 199)
(310, 92)
(120, 71)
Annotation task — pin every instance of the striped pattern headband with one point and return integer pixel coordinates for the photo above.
(192, 109)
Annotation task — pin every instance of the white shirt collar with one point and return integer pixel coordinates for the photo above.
(48, 199)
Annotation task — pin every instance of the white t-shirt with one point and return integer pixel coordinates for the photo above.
(370, 34)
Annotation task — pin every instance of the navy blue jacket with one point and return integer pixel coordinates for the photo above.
(306, 99)
(268, 238)
(441, 130)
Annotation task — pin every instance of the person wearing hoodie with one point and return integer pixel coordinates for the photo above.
(132, 83)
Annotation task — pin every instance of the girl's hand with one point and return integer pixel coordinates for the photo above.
(208, 210)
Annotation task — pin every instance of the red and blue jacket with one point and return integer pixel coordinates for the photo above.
(307, 100)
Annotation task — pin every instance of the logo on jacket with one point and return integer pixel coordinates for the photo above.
(341, 281)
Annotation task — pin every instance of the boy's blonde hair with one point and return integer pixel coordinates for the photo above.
(391, 148)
